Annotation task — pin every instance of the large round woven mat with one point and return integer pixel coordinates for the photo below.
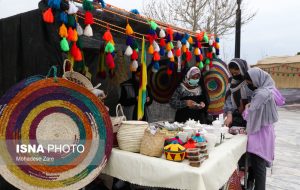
(161, 84)
(40, 111)
(215, 81)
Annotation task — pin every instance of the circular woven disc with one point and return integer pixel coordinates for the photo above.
(43, 113)
(215, 81)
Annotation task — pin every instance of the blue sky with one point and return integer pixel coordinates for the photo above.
(275, 31)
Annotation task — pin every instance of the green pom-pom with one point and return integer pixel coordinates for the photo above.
(183, 57)
(207, 61)
(64, 45)
(172, 45)
(87, 5)
(79, 42)
(210, 49)
(137, 50)
(153, 25)
(135, 45)
(109, 48)
(215, 56)
(71, 21)
(201, 66)
(205, 38)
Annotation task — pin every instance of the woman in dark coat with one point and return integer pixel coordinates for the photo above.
(190, 98)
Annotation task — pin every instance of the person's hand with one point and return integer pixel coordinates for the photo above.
(191, 104)
(202, 105)
(247, 106)
(228, 120)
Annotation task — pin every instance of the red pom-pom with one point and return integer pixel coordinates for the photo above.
(178, 52)
(70, 34)
(110, 61)
(210, 64)
(134, 55)
(201, 57)
(162, 42)
(48, 16)
(188, 56)
(169, 72)
(170, 32)
(209, 55)
(150, 38)
(107, 36)
(76, 53)
(89, 19)
(200, 36)
(156, 56)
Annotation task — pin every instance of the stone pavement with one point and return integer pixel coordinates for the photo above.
(286, 167)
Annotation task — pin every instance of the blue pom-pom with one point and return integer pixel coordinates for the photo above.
(217, 52)
(201, 50)
(162, 51)
(156, 65)
(183, 41)
(113, 54)
(177, 36)
(172, 66)
(151, 32)
(135, 11)
(129, 41)
(103, 5)
(197, 59)
(195, 44)
(186, 36)
(168, 39)
(63, 17)
(55, 4)
(217, 40)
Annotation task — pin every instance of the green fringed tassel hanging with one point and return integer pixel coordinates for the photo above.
(201, 66)
(109, 48)
(64, 45)
(153, 25)
(205, 38)
(79, 42)
(87, 5)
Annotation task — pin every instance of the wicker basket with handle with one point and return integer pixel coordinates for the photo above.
(153, 144)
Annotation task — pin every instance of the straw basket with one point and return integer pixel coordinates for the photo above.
(53, 111)
(130, 135)
(117, 121)
(153, 144)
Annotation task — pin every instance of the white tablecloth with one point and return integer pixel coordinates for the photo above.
(157, 172)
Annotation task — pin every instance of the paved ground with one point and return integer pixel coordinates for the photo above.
(286, 170)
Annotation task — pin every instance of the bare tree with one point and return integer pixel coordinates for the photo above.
(213, 16)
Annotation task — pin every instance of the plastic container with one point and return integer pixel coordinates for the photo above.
(204, 151)
(201, 145)
(195, 163)
(193, 152)
(205, 156)
(194, 158)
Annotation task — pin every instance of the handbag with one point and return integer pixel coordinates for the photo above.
(152, 144)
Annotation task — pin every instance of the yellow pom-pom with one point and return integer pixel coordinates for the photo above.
(172, 59)
(184, 49)
(129, 30)
(168, 47)
(217, 46)
(197, 51)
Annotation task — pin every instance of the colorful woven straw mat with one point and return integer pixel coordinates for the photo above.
(161, 84)
(215, 81)
(54, 134)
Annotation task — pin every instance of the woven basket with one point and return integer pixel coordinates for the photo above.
(117, 121)
(56, 111)
(130, 135)
(153, 145)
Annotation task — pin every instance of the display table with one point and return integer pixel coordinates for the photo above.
(157, 172)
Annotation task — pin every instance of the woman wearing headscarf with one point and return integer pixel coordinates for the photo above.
(190, 98)
(260, 115)
(238, 94)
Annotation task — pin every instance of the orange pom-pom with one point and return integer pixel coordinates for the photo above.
(129, 30)
(168, 47)
(70, 34)
(156, 56)
(184, 49)
(63, 32)
(217, 46)
(172, 59)
(75, 36)
(201, 57)
(197, 51)
(190, 40)
(178, 52)
(151, 49)
(76, 53)
(107, 36)
(200, 36)
(48, 16)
